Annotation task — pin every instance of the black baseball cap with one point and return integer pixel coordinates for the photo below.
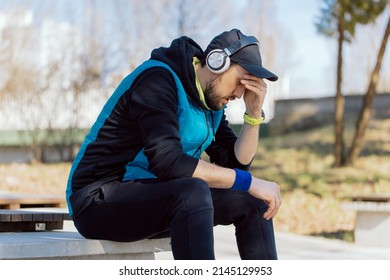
(247, 57)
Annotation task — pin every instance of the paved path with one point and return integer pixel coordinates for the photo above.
(296, 247)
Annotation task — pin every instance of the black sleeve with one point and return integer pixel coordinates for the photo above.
(154, 106)
(221, 151)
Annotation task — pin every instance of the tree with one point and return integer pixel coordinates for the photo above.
(18, 87)
(190, 22)
(339, 19)
(365, 112)
(47, 77)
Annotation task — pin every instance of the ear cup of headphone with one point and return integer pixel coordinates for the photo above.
(217, 61)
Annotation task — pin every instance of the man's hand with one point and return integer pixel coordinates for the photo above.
(254, 95)
(269, 192)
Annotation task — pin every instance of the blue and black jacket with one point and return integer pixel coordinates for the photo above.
(154, 125)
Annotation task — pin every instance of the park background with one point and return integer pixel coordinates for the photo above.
(61, 60)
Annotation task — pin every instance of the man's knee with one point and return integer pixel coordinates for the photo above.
(195, 195)
(232, 206)
(245, 201)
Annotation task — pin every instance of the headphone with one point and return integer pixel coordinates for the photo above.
(218, 61)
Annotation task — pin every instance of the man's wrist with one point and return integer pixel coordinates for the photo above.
(242, 181)
(254, 121)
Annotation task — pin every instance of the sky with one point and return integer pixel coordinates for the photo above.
(311, 58)
(314, 56)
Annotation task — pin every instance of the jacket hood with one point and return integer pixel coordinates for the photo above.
(179, 57)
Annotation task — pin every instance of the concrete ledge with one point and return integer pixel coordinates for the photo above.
(367, 206)
(372, 224)
(69, 244)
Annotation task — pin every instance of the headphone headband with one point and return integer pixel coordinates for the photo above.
(240, 44)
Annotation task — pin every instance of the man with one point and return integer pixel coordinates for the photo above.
(139, 173)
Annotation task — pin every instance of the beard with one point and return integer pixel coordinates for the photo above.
(213, 101)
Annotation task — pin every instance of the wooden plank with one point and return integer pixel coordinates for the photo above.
(22, 220)
(24, 215)
(16, 201)
(10, 206)
(59, 216)
(27, 216)
(372, 198)
(37, 217)
(5, 217)
(17, 217)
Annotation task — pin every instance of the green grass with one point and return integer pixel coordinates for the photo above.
(58, 136)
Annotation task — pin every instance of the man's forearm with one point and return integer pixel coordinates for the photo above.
(216, 176)
(245, 147)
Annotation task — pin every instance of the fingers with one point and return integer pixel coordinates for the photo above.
(255, 91)
(254, 81)
(274, 201)
(269, 192)
(273, 207)
(255, 84)
(269, 214)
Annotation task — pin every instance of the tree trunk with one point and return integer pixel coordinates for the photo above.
(339, 101)
(365, 112)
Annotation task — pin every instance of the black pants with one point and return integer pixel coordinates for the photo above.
(186, 209)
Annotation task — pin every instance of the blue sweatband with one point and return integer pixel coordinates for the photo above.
(243, 180)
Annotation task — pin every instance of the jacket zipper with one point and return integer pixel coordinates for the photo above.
(208, 131)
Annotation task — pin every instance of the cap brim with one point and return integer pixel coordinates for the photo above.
(259, 72)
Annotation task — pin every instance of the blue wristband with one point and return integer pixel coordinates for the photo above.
(243, 180)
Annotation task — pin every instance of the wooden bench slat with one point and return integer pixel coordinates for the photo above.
(372, 197)
(22, 220)
(37, 217)
(27, 216)
(16, 201)
(59, 217)
(17, 217)
(5, 217)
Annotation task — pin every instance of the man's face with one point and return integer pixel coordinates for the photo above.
(225, 87)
